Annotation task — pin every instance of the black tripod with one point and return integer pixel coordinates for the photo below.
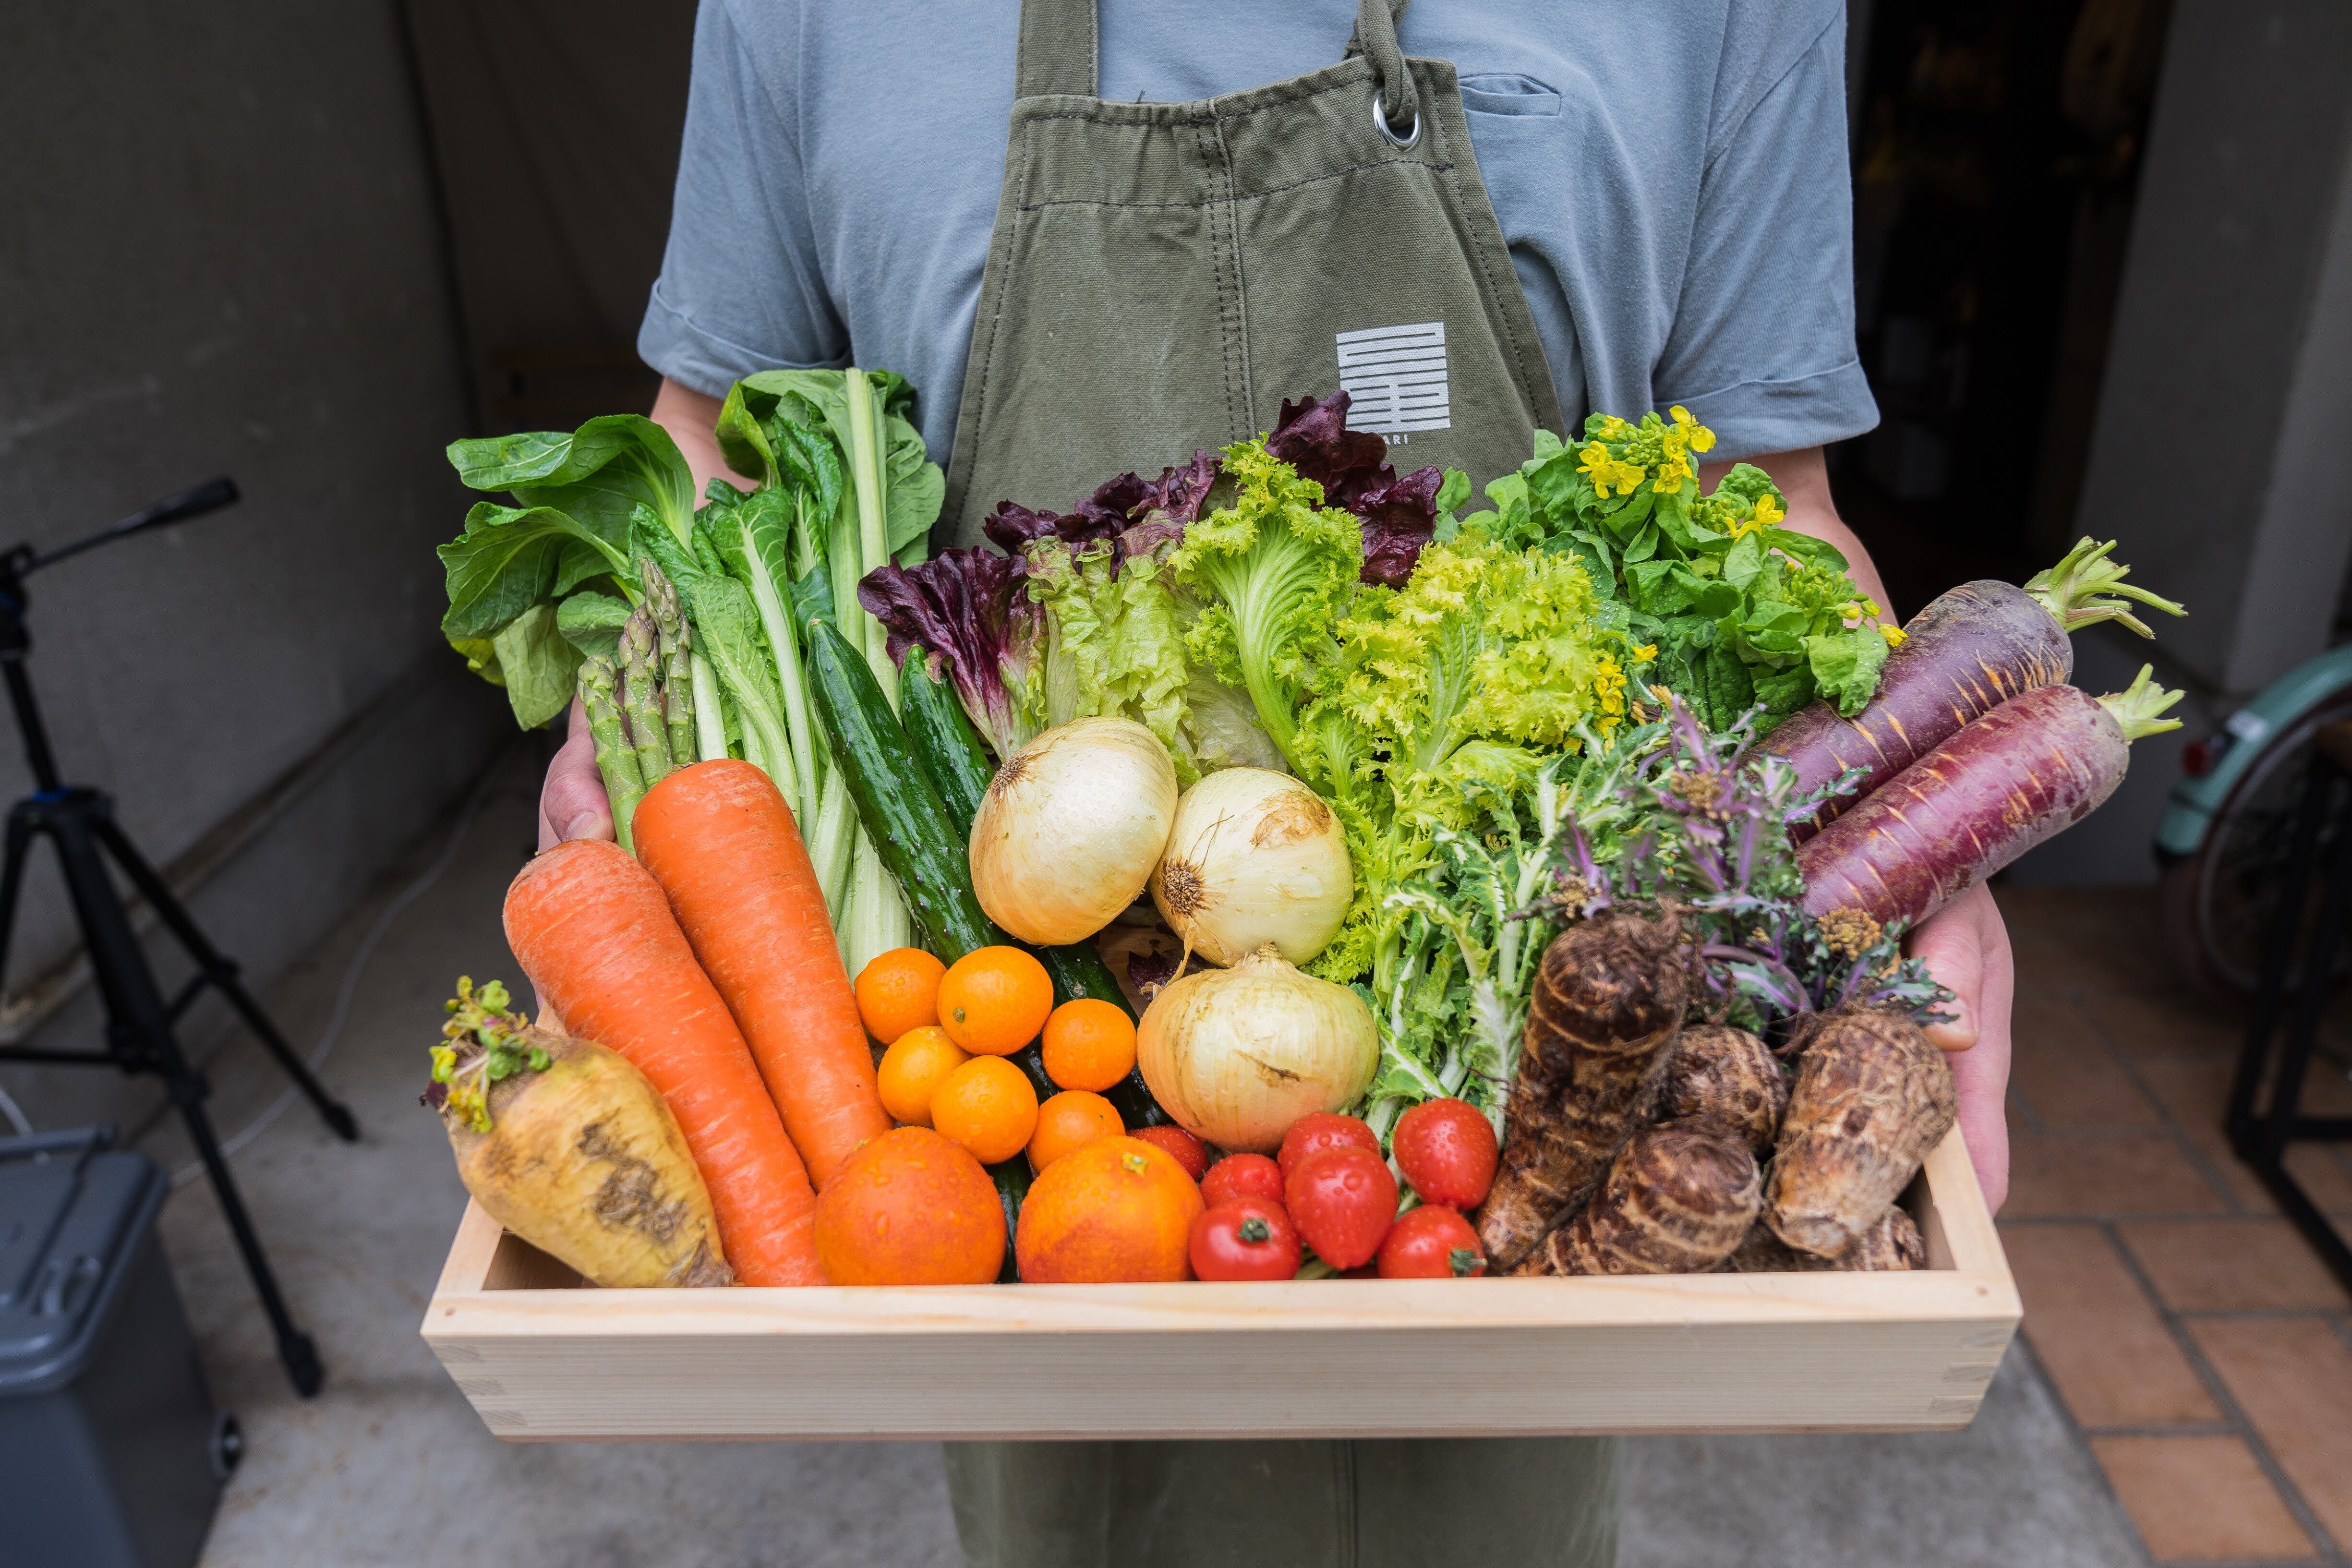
(80, 821)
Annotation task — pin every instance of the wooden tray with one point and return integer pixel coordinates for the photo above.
(543, 1358)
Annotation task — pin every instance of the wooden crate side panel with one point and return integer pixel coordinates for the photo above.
(1366, 1382)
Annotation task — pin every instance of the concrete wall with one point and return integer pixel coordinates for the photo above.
(2221, 457)
(219, 251)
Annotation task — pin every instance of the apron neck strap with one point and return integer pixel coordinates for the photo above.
(1375, 38)
(1060, 55)
(1058, 51)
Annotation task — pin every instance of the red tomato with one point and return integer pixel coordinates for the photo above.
(1189, 1151)
(1446, 1150)
(1244, 1239)
(1322, 1129)
(1242, 1176)
(1431, 1243)
(1342, 1201)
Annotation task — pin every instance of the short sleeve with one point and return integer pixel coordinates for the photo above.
(1762, 348)
(740, 289)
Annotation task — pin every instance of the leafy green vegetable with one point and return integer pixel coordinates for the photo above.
(536, 665)
(1743, 612)
(510, 558)
(1114, 642)
(1274, 572)
(599, 474)
(1446, 697)
(591, 622)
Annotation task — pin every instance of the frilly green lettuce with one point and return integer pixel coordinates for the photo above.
(1274, 572)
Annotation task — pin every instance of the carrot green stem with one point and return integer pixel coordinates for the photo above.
(624, 781)
(2086, 588)
(2140, 707)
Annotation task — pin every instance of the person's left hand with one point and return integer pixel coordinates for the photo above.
(1966, 948)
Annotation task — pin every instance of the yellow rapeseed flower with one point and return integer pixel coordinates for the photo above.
(1896, 636)
(1768, 511)
(1702, 440)
(1646, 652)
(1671, 474)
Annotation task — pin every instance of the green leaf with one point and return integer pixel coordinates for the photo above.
(538, 667)
(591, 622)
(511, 558)
(1846, 665)
(1454, 487)
(599, 473)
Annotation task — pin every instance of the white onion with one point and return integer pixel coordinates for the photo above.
(1237, 1055)
(1070, 829)
(1255, 857)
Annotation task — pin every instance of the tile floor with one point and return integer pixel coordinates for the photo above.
(2190, 1333)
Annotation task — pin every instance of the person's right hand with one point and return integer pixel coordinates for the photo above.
(571, 803)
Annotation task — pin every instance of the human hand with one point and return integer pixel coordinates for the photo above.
(571, 803)
(1966, 947)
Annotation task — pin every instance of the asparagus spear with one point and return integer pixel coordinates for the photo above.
(640, 698)
(624, 780)
(676, 643)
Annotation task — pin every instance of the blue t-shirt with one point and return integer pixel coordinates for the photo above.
(1671, 178)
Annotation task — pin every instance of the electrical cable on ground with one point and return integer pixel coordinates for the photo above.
(16, 1115)
(348, 988)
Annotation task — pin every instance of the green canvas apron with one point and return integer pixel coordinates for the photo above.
(1159, 279)
(1162, 275)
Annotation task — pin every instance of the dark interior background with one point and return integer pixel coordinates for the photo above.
(1996, 150)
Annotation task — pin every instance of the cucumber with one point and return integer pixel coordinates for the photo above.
(1012, 1178)
(945, 748)
(1131, 1098)
(1031, 1059)
(902, 813)
(950, 756)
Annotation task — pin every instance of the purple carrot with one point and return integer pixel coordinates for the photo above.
(2024, 773)
(1974, 649)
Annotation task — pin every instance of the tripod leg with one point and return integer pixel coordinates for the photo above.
(222, 974)
(11, 879)
(294, 1347)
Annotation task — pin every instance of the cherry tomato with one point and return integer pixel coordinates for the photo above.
(1189, 1151)
(1342, 1201)
(1322, 1129)
(1431, 1243)
(1446, 1150)
(1244, 1239)
(1242, 1176)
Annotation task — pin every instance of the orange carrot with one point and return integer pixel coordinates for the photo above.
(590, 928)
(723, 844)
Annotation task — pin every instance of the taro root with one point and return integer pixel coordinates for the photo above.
(1728, 1076)
(1871, 1097)
(1607, 1002)
(1678, 1200)
(1892, 1243)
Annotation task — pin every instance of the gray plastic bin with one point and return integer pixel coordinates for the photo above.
(111, 1454)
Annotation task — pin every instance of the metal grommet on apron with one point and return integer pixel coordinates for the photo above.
(1162, 276)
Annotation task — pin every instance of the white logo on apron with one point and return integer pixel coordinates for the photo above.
(1395, 380)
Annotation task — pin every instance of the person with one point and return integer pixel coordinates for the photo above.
(1096, 233)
